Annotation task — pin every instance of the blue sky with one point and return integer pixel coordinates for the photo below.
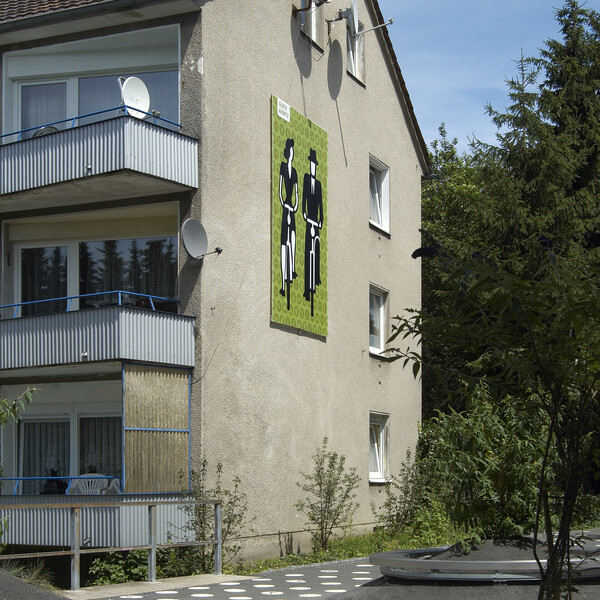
(456, 55)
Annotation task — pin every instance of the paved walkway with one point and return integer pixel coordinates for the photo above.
(327, 580)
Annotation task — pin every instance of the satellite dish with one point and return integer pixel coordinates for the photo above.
(193, 236)
(46, 130)
(135, 96)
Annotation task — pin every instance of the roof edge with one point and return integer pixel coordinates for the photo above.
(82, 12)
(402, 83)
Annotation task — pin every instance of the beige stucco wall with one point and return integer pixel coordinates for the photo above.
(263, 396)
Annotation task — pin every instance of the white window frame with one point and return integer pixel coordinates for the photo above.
(355, 51)
(382, 295)
(73, 420)
(379, 173)
(72, 267)
(379, 445)
(145, 50)
(134, 222)
(65, 402)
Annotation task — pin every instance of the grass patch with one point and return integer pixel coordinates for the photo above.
(32, 572)
(351, 546)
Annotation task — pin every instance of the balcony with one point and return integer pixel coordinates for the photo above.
(122, 157)
(117, 332)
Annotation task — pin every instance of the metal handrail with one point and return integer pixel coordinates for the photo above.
(74, 120)
(120, 293)
(75, 535)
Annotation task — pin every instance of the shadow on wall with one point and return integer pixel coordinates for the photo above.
(301, 45)
(335, 69)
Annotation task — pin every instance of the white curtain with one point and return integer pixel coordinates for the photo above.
(42, 104)
(100, 445)
(46, 451)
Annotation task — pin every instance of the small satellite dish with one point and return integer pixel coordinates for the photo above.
(193, 236)
(46, 130)
(135, 96)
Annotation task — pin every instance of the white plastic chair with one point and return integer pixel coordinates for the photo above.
(114, 487)
(92, 485)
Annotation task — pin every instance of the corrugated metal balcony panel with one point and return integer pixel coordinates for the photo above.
(111, 526)
(159, 337)
(123, 143)
(108, 333)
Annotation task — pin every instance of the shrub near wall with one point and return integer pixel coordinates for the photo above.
(483, 464)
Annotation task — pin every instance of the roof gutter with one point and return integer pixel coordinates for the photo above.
(83, 12)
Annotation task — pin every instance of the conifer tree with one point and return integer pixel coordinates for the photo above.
(521, 287)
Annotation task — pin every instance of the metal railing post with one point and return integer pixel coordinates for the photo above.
(218, 540)
(75, 547)
(152, 542)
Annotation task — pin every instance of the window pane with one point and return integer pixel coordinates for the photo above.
(100, 93)
(42, 104)
(46, 449)
(142, 265)
(375, 188)
(350, 51)
(375, 320)
(100, 445)
(43, 276)
(374, 451)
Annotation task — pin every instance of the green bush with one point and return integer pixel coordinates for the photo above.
(331, 495)
(405, 495)
(121, 567)
(483, 464)
(476, 472)
(200, 559)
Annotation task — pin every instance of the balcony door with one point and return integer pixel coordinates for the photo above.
(43, 276)
(57, 449)
(92, 270)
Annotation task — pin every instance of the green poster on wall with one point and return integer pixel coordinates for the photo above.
(298, 220)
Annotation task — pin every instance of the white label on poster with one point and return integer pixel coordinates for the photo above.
(283, 110)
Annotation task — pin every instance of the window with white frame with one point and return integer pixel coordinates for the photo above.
(378, 446)
(65, 447)
(73, 429)
(379, 194)
(355, 45)
(92, 253)
(377, 319)
(46, 84)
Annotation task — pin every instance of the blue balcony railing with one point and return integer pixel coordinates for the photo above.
(64, 485)
(143, 301)
(72, 122)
